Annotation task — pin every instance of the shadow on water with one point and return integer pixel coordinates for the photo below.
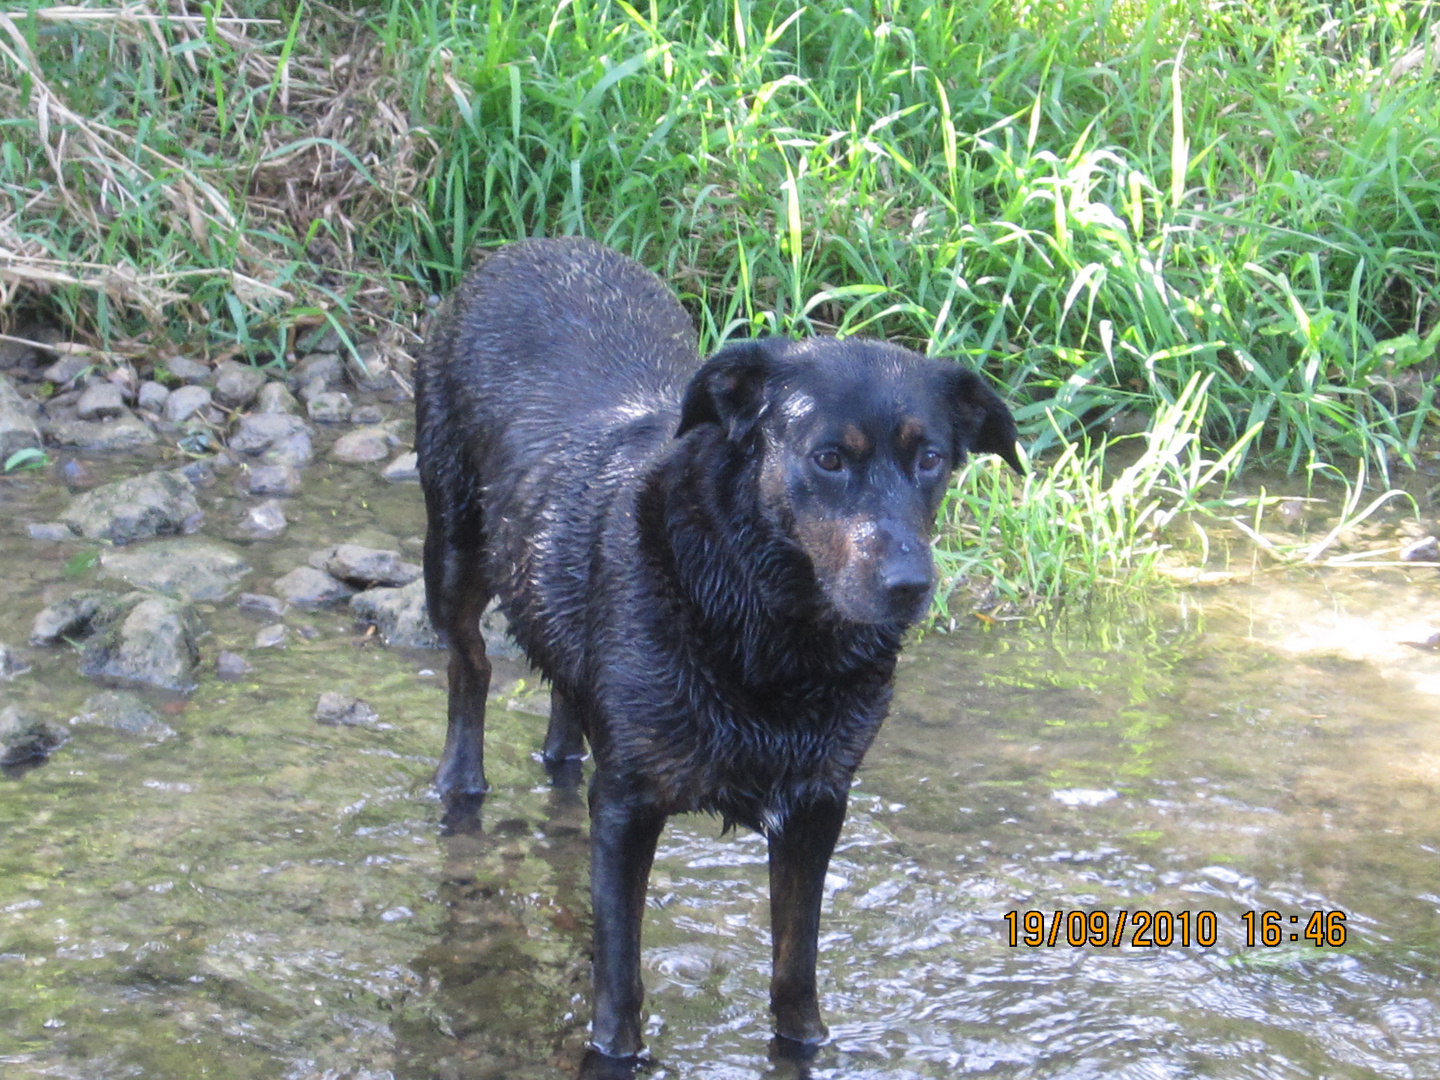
(259, 895)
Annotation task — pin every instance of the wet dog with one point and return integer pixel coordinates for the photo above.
(712, 564)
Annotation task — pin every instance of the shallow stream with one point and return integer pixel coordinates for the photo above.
(262, 896)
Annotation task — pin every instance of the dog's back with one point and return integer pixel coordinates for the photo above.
(552, 375)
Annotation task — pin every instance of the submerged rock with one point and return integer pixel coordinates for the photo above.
(271, 637)
(230, 665)
(307, 587)
(123, 711)
(133, 509)
(259, 431)
(364, 444)
(11, 663)
(339, 709)
(125, 432)
(265, 521)
(192, 569)
(405, 469)
(400, 615)
(79, 615)
(370, 566)
(26, 737)
(272, 480)
(259, 604)
(49, 530)
(154, 645)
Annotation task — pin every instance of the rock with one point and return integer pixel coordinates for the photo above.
(495, 629)
(260, 604)
(399, 614)
(270, 637)
(265, 521)
(363, 444)
(367, 414)
(79, 615)
(1426, 549)
(154, 644)
(11, 663)
(200, 473)
(152, 396)
(273, 480)
(369, 367)
(66, 369)
(322, 338)
(331, 407)
(307, 587)
(184, 403)
(405, 469)
(188, 371)
(49, 530)
(123, 711)
(125, 432)
(123, 376)
(190, 569)
(275, 397)
(237, 384)
(370, 566)
(229, 665)
(259, 431)
(337, 708)
(25, 737)
(133, 509)
(100, 401)
(294, 450)
(324, 367)
(18, 429)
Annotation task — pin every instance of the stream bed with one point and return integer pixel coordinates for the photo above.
(259, 895)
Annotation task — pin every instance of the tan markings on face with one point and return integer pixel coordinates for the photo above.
(910, 432)
(854, 439)
(839, 549)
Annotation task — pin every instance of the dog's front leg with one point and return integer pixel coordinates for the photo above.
(799, 856)
(623, 835)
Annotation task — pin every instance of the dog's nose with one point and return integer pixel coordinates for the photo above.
(905, 578)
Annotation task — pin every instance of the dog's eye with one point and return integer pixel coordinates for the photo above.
(929, 460)
(829, 460)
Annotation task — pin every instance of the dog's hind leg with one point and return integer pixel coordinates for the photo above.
(564, 741)
(622, 847)
(800, 852)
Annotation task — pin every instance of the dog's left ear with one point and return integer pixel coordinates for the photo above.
(983, 425)
(729, 390)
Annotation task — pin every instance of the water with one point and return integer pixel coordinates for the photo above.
(261, 896)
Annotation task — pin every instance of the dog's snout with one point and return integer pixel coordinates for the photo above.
(905, 576)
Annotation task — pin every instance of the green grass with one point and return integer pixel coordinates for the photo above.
(1098, 203)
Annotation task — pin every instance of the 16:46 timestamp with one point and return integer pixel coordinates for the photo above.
(1270, 928)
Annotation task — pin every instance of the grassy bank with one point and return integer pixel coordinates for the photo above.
(1098, 203)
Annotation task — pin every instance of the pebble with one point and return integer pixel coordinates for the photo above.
(367, 414)
(275, 397)
(185, 403)
(237, 384)
(336, 708)
(265, 521)
(100, 401)
(1426, 549)
(405, 469)
(307, 587)
(65, 369)
(49, 530)
(269, 637)
(123, 711)
(273, 480)
(362, 445)
(258, 431)
(11, 663)
(187, 370)
(322, 367)
(152, 396)
(26, 737)
(230, 665)
(330, 407)
(370, 566)
(261, 604)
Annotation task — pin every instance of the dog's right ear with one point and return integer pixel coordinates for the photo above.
(729, 390)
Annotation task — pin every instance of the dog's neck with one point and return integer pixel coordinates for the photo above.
(718, 561)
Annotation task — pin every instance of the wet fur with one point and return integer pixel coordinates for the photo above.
(714, 620)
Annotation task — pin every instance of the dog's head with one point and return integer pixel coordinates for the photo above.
(855, 442)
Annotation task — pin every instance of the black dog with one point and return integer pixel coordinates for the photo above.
(713, 568)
